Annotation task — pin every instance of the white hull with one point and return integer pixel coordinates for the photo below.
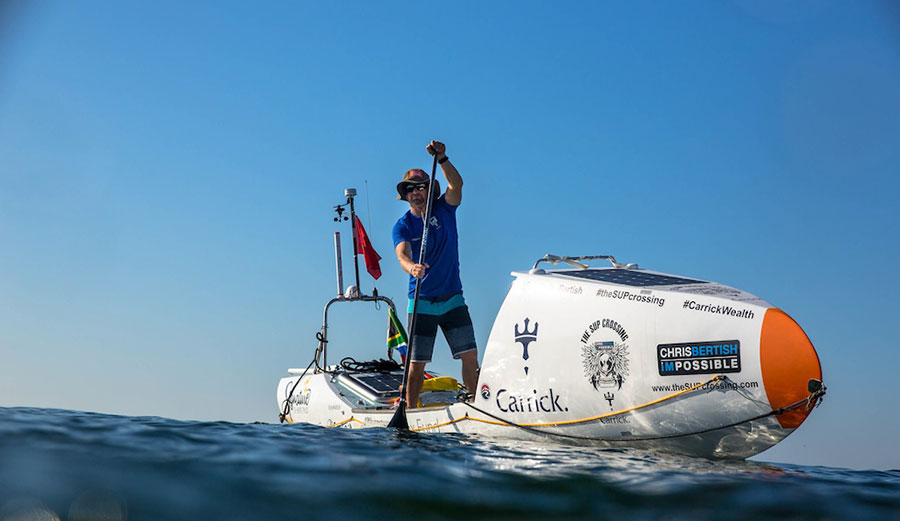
(683, 366)
(740, 441)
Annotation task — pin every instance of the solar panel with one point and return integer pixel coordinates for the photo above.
(382, 384)
(629, 277)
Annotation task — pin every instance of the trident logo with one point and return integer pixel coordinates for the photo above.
(526, 337)
(609, 398)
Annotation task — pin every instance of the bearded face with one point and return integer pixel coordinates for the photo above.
(604, 364)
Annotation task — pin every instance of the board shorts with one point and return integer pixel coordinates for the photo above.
(451, 313)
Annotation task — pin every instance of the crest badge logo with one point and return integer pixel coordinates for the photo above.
(604, 355)
(485, 391)
(605, 364)
(525, 337)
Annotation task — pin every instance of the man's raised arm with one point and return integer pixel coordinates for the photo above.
(453, 195)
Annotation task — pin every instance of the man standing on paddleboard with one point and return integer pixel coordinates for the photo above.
(441, 300)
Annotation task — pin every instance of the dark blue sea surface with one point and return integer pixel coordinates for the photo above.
(70, 465)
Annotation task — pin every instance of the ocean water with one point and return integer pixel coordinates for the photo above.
(71, 465)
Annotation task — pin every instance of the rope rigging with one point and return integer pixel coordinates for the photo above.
(812, 400)
(373, 366)
(286, 404)
(816, 393)
(807, 401)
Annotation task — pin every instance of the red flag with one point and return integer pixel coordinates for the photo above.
(365, 247)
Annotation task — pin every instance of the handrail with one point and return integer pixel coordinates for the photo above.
(573, 261)
(322, 348)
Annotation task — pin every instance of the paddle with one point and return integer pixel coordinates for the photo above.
(399, 420)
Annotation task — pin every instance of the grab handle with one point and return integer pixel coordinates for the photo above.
(574, 261)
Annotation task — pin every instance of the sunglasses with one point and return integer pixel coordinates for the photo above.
(416, 188)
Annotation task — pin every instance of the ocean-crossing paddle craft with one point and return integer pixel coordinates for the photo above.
(590, 351)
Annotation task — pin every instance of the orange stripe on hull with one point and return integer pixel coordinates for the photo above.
(789, 361)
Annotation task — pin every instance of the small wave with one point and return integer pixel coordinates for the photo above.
(77, 465)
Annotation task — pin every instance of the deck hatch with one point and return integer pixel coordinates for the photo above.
(629, 277)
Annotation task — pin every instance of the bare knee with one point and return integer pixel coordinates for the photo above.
(469, 358)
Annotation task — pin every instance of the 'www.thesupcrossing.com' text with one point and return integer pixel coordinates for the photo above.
(709, 386)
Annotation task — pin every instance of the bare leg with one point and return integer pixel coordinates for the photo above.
(416, 378)
(470, 369)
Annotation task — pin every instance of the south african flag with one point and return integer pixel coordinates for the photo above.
(396, 336)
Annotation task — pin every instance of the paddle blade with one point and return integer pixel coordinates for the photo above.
(399, 419)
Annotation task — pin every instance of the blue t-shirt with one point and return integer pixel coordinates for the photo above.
(442, 249)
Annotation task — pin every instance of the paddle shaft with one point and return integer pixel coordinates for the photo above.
(396, 421)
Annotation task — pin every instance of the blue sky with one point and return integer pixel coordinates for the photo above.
(167, 173)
